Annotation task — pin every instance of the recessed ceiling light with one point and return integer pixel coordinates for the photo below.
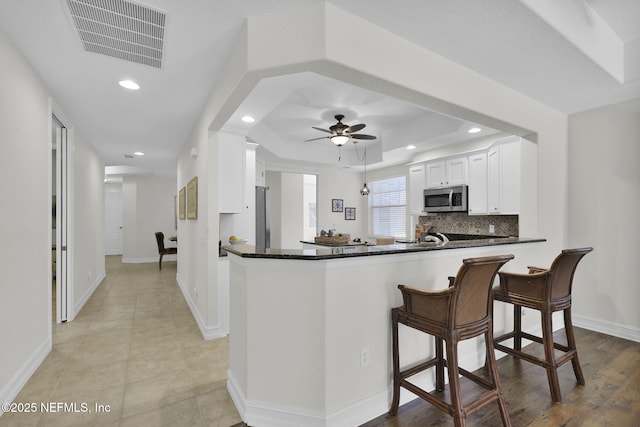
(129, 84)
(474, 130)
(410, 147)
(248, 119)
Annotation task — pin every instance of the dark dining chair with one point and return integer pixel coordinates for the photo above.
(162, 251)
(548, 291)
(460, 312)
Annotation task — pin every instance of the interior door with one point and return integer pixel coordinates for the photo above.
(113, 219)
(62, 213)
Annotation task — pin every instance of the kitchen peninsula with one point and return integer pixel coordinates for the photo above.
(310, 330)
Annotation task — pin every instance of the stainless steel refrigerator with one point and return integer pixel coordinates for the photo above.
(263, 231)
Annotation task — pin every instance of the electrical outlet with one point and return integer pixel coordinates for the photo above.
(364, 357)
(492, 228)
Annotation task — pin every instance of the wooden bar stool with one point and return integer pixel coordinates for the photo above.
(546, 290)
(457, 313)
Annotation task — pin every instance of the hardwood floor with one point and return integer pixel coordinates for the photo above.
(611, 396)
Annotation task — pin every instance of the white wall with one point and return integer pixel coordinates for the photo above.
(25, 220)
(604, 200)
(148, 206)
(25, 189)
(87, 216)
(197, 273)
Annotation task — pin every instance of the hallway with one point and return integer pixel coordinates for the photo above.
(136, 351)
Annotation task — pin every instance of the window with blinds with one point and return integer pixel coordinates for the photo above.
(388, 207)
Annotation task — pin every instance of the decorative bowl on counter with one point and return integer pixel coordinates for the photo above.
(237, 240)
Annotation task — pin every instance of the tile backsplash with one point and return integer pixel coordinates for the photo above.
(461, 223)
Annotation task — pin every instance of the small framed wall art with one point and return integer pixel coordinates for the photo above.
(192, 198)
(336, 205)
(182, 198)
(350, 214)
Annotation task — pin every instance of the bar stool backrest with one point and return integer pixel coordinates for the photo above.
(563, 269)
(473, 282)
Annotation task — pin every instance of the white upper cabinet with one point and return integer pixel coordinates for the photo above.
(478, 184)
(435, 174)
(231, 173)
(456, 171)
(444, 173)
(503, 177)
(417, 180)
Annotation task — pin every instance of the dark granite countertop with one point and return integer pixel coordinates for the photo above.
(322, 253)
(334, 245)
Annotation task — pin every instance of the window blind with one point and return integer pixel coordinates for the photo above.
(388, 207)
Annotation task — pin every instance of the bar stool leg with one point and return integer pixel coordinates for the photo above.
(571, 342)
(492, 367)
(395, 402)
(439, 365)
(459, 419)
(517, 327)
(551, 366)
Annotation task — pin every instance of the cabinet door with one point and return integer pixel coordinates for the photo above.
(417, 183)
(456, 171)
(493, 180)
(478, 184)
(435, 174)
(510, 178)
(503, 161)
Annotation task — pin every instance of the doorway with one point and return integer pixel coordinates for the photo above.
(113, 218)
(60, 213)
(292, 202)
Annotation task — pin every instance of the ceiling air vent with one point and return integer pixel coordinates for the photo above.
(120, 29)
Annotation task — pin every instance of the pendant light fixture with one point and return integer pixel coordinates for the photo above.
(365, 190)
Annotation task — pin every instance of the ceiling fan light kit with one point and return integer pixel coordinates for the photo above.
(339, 140)
(341, 133)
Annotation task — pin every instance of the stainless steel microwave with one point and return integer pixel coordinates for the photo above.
(447, 199)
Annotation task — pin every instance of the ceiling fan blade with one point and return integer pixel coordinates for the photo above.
(361, 136)
(355, 128)
(323, 130)
(315, 139)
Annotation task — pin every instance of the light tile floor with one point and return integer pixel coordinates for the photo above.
(136, 348)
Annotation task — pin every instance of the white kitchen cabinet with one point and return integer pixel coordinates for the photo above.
(456, 171)
(503, 177)
(417, 182)
(223, 295)
(478, 184)
(435, 174)
(446, 172)
(231, 173)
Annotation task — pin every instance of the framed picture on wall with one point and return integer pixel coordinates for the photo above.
(182, 203)
(350, 214)
(192, 198)
(336, 205)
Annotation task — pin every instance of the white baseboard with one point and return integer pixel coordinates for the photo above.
(129, 260)
(208, 332)
(609, 328)
(355, 414)
(9, 392)
(78, 306)
(374, 406)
